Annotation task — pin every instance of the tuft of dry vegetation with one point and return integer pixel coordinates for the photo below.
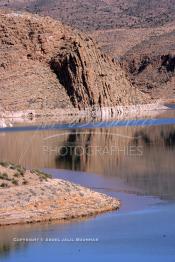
(16, 175)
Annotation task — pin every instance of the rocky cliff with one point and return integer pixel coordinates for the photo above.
(44, 64)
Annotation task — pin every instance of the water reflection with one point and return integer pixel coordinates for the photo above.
(15, 238)
(7, 245)
(143, 157)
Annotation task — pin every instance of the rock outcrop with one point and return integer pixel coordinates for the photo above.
(44, 64)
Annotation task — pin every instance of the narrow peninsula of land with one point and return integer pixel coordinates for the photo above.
(32, 196)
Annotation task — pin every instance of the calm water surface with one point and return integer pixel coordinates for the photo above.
(133, 162)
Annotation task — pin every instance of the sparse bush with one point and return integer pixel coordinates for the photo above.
(14, 182)
(24, 182)
(11, 166)
(4, 176)
(16, 175)
(4, 164)
(41, 174)
(4, 185)
(21, 172)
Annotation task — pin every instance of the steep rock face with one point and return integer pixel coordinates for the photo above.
(47, 65)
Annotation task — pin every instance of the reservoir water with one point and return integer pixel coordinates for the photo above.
(130, 160)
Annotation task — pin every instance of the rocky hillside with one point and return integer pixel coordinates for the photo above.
(44, 64)
(101, 14)
(123, 29)
(151, 65)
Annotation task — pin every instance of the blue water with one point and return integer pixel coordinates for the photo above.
(93, 125)
(147, 235)
(142, 230)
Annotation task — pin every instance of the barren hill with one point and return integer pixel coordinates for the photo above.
(151, 65)
(45, 64)
(101, 14)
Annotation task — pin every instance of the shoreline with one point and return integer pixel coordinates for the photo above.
(44, 199)
(81, 202)
(8, 119)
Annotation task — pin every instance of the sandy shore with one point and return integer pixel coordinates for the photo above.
(47, 199)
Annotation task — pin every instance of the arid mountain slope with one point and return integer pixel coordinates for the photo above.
(151, 65)
(121, 27)
(101, 14)
(146, 54)
(45, 64)
(117, 42)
